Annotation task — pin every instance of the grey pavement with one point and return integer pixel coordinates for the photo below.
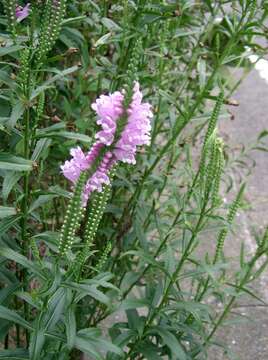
(249, 340)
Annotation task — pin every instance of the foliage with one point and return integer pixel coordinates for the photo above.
(135, 249)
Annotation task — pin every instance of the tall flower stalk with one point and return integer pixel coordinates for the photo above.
(123, 130)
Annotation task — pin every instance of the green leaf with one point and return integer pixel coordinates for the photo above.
(14, 163)
(54, 309)
(10, 179)
(17, 112)
(110, 24)
(9, 49)
(41, 146)
(103, 40)
(73, 19)
(194, 308)
(51, 238)
(87, 347)
(40, 201)
(12, 316)
(47, 84)
(6, 79)
(8, 222)
(171, 341)
(134, 304)
(147, 258)
(7, 211)
(106, 346)
(92, 336)
(84, 290)
(70, 323)
(7, 291)
(102, 280)
(263, 134)
(70, 135)
(14, 354)
(150, 351)
(37, 342)
(34, 302)
(135, 322)
(22, 260)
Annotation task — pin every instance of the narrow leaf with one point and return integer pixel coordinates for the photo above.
(7, 211)
(14, 163)
(12, 316)
(22, 260)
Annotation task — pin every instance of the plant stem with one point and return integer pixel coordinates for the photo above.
(227, 308)
(24, 235)
(185, 255)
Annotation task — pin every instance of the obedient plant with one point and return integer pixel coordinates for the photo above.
(115, 172)
(111, 145)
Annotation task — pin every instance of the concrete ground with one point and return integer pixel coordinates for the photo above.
(249, 341)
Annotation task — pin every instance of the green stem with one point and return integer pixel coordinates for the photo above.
(185, 255)
(227, 308)
(26, 189)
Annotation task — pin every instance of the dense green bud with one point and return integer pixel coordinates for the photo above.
(132, 70)
(73, 216)
(208, 137)
(96, 211)
(211, 168)
(230, 218)
(25, 67)
(103, 259)
(53, 15)
(214, 117)
(10, 10)
(219, 166)
(40, 105)
(35, 250)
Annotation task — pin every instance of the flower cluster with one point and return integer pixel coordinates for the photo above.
(122, 147)
(22, 12)
(137, 130)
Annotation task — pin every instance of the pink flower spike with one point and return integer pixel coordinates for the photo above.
(72, 168)
(109, 108)
(137, 130)
(22, 12)
(99, 178)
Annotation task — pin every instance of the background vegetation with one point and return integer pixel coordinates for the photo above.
(144, 262)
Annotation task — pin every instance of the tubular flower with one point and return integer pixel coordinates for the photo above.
(22, 12)
(73, 168)
(136, 132)
(137, 129)
(99, 178)
(109, 108)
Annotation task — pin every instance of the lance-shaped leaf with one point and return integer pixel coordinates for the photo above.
(14, 354)
(14, 163)
(22, 260)
(12, 316)
(6, 211)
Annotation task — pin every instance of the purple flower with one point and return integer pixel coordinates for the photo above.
(22, 12)
(72, 169)
(136, 132)
(99, 178)
(109, 108)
